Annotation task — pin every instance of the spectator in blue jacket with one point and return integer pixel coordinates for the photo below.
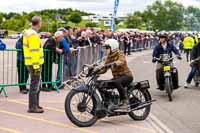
(21, 68)
(66, 46)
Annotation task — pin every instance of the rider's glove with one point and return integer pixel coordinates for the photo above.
(179, 57)
(154, 60)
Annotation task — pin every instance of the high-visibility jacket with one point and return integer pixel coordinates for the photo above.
(188, 42)
(33, 51)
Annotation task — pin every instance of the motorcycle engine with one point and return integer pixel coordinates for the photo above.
(115, 97)
(111, 97)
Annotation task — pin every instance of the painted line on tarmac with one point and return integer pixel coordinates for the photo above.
(158, 125)
(45, 121)
(62, 111)
(48, 102)
(24, 100)
(45, 107)
(9, 130)
(132, 126)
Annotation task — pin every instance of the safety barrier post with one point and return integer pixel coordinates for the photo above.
(4, 91)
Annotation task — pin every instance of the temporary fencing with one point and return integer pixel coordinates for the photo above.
(55, 69)
(14, 71)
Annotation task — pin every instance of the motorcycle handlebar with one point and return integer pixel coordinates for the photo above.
(159, 59)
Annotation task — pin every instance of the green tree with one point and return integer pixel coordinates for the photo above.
(1, 19)
(192, 18)
(75, 17)
(165, 16)
(90, 24)
(134, 21)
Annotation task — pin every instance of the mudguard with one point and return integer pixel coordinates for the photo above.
(142, 85)
(96, 95)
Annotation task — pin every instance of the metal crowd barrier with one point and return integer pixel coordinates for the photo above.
(139, 45)
(88, 55)
(14, 72)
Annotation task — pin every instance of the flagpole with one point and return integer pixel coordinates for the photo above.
(116, 4)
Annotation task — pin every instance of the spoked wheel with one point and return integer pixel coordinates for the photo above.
(168, 87)
(135, 99)
(80, 107)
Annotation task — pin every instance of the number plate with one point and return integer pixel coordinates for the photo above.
(167, 68)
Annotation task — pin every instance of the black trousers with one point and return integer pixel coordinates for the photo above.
(127, 47)
(160, 78)
(22, 74)
(188, 51)
(120, 83)
(34, 92)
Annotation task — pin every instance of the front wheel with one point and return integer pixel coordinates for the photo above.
(168, 87)
(136, 97)
(80, 108)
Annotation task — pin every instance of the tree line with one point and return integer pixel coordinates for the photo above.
(52, 19)
(167, 15)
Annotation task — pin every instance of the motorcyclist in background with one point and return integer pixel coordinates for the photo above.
(195, 53)
(122, 75)
(164, 47)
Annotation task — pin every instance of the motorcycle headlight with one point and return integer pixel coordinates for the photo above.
(86, 69)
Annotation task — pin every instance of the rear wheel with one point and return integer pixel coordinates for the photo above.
(80, 107)
(135, 99)
(168, 87)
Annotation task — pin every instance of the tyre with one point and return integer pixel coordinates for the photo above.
(79, 108)
(168, 87)
(139, 96)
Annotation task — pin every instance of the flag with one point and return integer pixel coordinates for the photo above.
(114, 16)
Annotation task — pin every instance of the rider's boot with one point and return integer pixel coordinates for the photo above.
(124, 105)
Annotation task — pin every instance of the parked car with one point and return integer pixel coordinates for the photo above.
(44, 35)
(15, 36)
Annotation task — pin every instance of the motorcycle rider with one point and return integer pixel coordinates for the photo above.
(195, 53)
(122, 75)
(164, 47)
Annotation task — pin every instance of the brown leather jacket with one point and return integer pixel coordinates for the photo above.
(121, 68)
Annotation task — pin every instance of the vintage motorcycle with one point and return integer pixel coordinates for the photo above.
(91, 99)
(168, 71)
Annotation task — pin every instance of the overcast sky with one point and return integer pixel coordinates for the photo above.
(94, 6)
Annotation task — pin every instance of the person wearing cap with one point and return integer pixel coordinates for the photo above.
(34, 58)
(164, 47)
(52, 55)
(195, 54)
(65, 43)
(122, 75)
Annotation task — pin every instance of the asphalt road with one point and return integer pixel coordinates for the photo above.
(181, 115)
(15, 119)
